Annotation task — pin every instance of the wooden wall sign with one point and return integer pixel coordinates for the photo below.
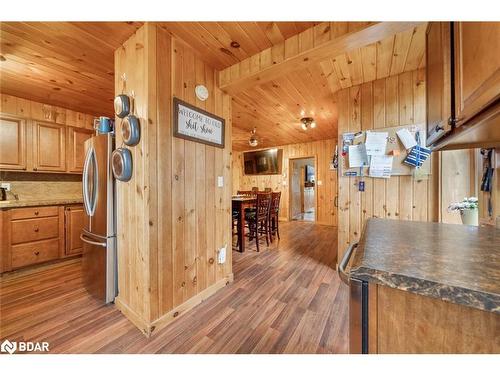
(197, 125)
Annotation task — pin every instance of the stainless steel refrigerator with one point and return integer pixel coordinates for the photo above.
(99, 233)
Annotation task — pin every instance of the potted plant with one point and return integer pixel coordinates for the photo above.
(468, 210)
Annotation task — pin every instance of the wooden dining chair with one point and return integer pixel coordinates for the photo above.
(258, 220)
(268, 190)
(274, 215)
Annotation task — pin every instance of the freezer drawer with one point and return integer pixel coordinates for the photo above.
(99, 266)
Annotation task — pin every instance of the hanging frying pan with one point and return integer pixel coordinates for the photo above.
(122, 105)
(121, 163)
(130, 130)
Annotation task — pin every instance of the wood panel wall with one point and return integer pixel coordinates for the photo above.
(172, 217)
(387, 102)
(326, 212)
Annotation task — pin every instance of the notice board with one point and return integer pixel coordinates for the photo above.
(398, 167)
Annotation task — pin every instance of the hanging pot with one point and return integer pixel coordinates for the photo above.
(121, 163)
(131, 130)
(122, 105)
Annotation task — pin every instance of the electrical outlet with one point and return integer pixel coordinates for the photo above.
(221, 255)
(6, 186)
(220, 181)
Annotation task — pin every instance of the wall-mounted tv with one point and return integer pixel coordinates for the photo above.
(263, 162)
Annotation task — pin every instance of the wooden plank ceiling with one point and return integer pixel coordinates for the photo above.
(68, 64)
(71, 64)
(275, 108)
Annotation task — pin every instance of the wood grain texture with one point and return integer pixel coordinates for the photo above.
(326, 212)
(392, 101)
(168, 257)
(332, 40)
(285, 299)
(410, 323)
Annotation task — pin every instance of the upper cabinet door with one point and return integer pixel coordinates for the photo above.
(477, 67)
(49, 147)
(438, 82)
(12, 143)
(76, 152)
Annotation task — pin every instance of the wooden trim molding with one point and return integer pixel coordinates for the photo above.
(150, 328)
(307, 48)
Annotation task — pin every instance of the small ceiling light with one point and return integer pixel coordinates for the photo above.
(308, 122)
(253, 141)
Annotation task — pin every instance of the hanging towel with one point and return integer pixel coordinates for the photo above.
(417, 156)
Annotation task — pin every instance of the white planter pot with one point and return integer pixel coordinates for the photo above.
(470, 217)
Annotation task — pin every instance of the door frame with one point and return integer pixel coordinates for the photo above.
(290, 164)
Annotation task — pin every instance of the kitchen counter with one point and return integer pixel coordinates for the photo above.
(454, 263)
(39, 202)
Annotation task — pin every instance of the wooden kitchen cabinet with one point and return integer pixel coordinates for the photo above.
(31, 235)
(477, 67)
(74, 221)
(49, 149)
(438, 80)
(76, 138)
(12, 142)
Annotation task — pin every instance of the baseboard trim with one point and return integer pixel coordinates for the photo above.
(172, 315)
(138, 321)
(149, 329)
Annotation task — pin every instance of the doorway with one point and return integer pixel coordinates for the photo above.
(303, 189)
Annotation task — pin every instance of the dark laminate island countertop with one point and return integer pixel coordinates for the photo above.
(455, 263)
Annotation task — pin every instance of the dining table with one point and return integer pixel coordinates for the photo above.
(239, 203)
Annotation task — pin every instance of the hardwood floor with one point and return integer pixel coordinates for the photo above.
(285, 299)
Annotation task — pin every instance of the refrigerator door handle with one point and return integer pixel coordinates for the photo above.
(85, 182)
(90, 197)
(89, 241)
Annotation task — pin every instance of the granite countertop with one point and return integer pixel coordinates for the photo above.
(39, 202)
(455, 263)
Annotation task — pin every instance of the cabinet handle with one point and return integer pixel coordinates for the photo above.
(36, 253)
(36, 213)
(36, 229)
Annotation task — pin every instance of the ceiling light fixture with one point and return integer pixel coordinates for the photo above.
(253, 141)
(308, 122)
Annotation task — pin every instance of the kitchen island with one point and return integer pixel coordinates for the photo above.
(425, 287)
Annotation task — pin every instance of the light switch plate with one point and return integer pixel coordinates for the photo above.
(221, 255)
(220, 181)
(5, 185)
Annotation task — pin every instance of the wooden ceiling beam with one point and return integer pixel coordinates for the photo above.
(314, 45)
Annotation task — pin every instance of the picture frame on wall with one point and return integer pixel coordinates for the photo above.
(197, 125)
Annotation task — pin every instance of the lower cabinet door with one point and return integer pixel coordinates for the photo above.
(75, 217)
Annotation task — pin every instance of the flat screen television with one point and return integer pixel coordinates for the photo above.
(263, 162)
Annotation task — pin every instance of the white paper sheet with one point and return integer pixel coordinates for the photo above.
(376, 143)
(406, 138)
(357, 156)
(381, 166)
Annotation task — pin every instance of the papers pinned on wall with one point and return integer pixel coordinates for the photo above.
(357, 156)
(376, 143)
(406, 138)
(417, 156)
(381, 166)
